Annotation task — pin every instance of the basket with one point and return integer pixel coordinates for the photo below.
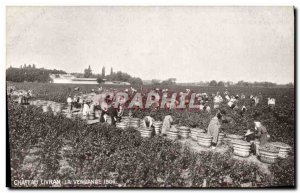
(173, 135)
(204, 136)
(284, 149)
(267, 159)
(268, 155)
(220, 138)
(145, 132)
(204, 144)
(204, 140)
(157, 124)
(121, 125)
(157, 130)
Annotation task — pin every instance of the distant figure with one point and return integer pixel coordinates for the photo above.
(81, 103)
(104, 112)
(226, 92)
(271, 103)
(112, 111)
(232, 102)
(20, 99)
(217, 100)
(69, 101)
(85, 109)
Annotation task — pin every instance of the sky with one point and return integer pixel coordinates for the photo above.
(190, 44)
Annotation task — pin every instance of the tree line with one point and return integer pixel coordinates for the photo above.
(29, 73)
(113, 76)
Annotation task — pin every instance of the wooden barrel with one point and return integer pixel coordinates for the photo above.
(204, 139)
(184, 132)
(173, 135)
(221, 138)
(241, 148)
(134, 122)
(284, 149)
(268, 154)
(194, 133)
(146, 132)
(157, 130)
(230, 137)
(157, 124)
(121, 125)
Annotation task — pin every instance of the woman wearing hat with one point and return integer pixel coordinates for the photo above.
(262, 132)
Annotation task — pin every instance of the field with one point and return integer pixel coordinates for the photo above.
(44, 146)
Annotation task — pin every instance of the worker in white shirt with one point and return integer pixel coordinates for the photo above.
(69, 101)
(271, 103)
(217, 100)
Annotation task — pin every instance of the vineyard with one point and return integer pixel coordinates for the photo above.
(47, 146)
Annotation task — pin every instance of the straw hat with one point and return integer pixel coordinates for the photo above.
(248, 132)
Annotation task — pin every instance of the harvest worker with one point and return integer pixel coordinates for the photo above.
(69, 101)
(271, 103)
(104, 111)
(214, 127)
(81, 102)
(168, 120)
(217, 100)
(112, 111)
(148, 121)
(262, 132)
(85, 110)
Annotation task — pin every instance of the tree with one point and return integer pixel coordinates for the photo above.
(221, 84)
(213, 83)
(33, 66)
(87, 72)
(103, 71)
(111, 71)
(136, 81)
(155, 82)
(170, 81)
